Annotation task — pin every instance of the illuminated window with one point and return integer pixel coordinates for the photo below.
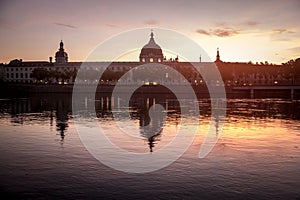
(143, 59)
(158, 60)
(151, 60)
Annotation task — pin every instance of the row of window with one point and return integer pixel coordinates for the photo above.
(151, 60)
(17, 69)
(20, 81)
(30, 69)
(25, 75)
(118, 68)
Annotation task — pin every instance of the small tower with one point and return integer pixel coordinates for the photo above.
(61, 46)
(61, 56)
(218, 56)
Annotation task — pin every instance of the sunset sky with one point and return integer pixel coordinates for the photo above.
(256, 30)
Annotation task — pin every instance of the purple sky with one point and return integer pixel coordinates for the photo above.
(256, 30)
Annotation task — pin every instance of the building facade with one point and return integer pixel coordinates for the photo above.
(64, 72)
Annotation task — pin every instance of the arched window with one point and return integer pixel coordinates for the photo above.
(151, 60)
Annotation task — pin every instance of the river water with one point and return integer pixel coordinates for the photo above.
(257, 155)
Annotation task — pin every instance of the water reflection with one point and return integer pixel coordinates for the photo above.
(39, 109)
(150, 111)
(151, 123)
(62, 118)
(264, 108)
(216, 121)
(258, 150)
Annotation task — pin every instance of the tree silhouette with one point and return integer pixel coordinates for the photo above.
(40, 74)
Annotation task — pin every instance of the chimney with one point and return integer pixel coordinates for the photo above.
(50, 59)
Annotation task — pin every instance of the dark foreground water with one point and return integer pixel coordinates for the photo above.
(256, 157)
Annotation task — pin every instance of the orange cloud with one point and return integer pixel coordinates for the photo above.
(226, 32)
(202, 31)
(111, 25)
(250, 23)
(65, 25)
(282, 30)
(151, 22)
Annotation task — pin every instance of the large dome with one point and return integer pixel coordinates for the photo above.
(61, 54)
(151, 52)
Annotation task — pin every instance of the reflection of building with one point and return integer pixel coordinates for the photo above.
(151, 123)
(61, 118)
(63, 72)
(43, 108)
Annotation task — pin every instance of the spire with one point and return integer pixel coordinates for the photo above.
(218, 55)
(61, 46)
(151, 44)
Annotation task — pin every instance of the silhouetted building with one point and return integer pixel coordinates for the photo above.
(2, 74)
(151, 52)
(61, 56)
(64, 72)
(218, 56)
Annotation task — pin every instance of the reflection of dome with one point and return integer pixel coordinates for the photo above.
(151, 52)
(61, 56)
